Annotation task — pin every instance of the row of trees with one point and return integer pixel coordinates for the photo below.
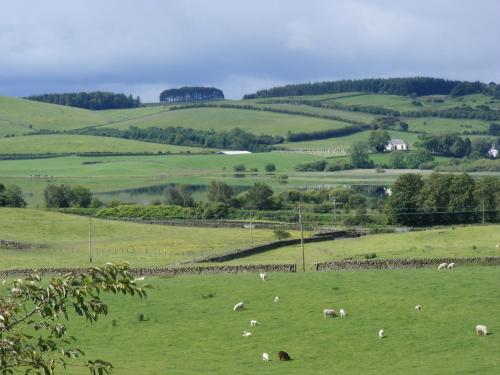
(11, 196)
(443, 199)
(235, 139)
(62, 196)
(188, 94)
(90, 100)
(397, 86)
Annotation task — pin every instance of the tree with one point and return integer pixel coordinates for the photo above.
(378, 140)
(220, 192)
(179, 196)
(415, 158)
(58, 196)
(397, 160)
(11, 196)
(487, 196)
(403, 202)
(239, 168)
(359, 156)
(259, 197)
(270, 168)
(81, 196)
(33, 333)
(281, 234)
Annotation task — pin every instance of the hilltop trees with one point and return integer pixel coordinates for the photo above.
(33, 332)
(89, 100)
(189, 94)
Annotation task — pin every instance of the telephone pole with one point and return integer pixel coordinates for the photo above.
(90, 238)
(334, 211)
(483, 204)
(302, 239)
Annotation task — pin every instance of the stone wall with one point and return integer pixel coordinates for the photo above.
(350, 265)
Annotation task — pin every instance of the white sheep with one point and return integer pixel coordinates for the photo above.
(254, 323)
(418, 307)
(263, 276)
(329, 313)
(265, 357)
(247, 334)
(451, 265)
(276, 299)
(239, 306)
(342, 313)
(481, 329)
(381, 334)
(140, 278)
(442, 266)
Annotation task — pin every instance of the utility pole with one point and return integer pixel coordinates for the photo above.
(302, 240)
(334, 211)
(90, 238)
(483, 204)
(251, 228)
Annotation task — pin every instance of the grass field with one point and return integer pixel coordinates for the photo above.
(63, 143)
(224, 119)
(467, 241)
(62, 240)
(184, 333)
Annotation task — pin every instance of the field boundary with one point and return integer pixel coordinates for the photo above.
(401, 263)
(165, 271)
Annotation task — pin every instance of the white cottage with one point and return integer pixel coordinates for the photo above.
(493, 152)
(397, 145)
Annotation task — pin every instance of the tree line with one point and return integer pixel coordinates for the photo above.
(235, 139)
(11, 196)
(94, 100)
(417, 86)
(189, 94)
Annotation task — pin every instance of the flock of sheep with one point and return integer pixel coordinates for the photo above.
(331, 313)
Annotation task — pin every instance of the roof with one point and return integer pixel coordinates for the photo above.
(233, 152)
(397, 142)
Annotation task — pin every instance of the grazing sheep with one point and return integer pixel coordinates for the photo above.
(418, 308)
(276, 299)
(254, 323)
(284, 356)
(442, 266)
(498, 246)
(381, 334)
(247, 334)
(342, 313)
(263, 276)
(265, 357)
(481, 329)
(329, 313)
(451, 265)
(239, 306)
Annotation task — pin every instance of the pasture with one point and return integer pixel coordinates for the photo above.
(467, 241)
(61, 240)
(65, 143)
(188, 325)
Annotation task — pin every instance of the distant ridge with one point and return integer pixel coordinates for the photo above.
(191, 94)
(397, 86)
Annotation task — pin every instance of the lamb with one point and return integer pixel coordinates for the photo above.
(254, 323)
(329, 313)
(451, 265)
(247, 334)
(284, 356)
(442, 266)
(276, 299)
(381, 334)
(265, 357)
(418, 307)
(239, 306)
(263, 276)
(342, 313)
(481, 329)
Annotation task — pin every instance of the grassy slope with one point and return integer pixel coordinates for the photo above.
(429, 243)
(59, 143)
(223, 119)
(64, 240)
(186, 334)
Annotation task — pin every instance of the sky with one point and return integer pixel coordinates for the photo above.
(142, 47)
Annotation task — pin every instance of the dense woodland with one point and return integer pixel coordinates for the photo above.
(190, 94)
(89, 100)
(416, 86)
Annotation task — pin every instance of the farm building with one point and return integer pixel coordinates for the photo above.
(233, 152)
(493, 152)
(397, 144)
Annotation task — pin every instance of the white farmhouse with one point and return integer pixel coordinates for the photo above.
(396, 145)
(233, 152)
(493, 152)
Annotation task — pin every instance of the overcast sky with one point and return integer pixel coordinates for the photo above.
(144, 46)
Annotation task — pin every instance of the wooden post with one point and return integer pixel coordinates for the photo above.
(90, 239)
(302, 240)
